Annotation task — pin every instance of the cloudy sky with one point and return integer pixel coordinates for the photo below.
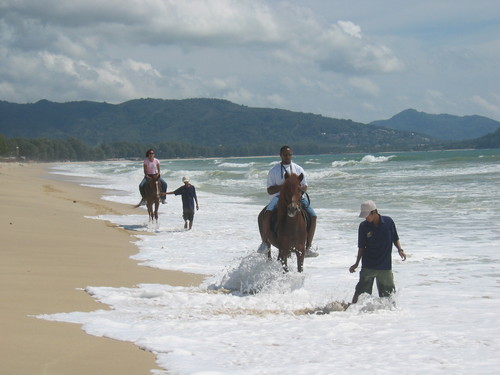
(363, 60)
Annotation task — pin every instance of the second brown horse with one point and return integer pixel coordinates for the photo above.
(152, 191)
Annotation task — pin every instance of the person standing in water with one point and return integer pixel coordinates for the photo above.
(376, 235)
(188, 193)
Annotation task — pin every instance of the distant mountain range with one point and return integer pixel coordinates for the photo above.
(219, 123)
(491, 140)
(444, 127)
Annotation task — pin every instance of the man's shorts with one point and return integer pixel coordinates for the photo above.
(385, 282)
(188, 214)
(273, 203)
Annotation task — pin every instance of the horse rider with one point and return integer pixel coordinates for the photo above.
(151, 170)
(275, 178)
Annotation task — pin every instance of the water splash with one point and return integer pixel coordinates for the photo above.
(255, 273)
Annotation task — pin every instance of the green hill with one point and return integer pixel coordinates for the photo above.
(491, 140)
(201, 122)
(444, 127)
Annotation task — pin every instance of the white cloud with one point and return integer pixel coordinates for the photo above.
(7, 90)
(490, 107)
(276, 101)
(142, 68)
(296, 54)
(369, 106)
(436, 101)
(280, 28)
(240, 96)
(365, 85)
(350, 28)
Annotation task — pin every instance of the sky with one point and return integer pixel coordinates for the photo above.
(362, 60)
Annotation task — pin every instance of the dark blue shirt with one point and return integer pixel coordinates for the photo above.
(377, 242)
(188, 195)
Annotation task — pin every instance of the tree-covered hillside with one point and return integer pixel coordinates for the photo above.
(444, 127)
(210, 123)
(84, 130)
(491, 140)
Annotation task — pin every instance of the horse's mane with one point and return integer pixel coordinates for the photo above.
(289, 186)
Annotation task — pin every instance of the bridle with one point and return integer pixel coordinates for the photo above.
(294, 206)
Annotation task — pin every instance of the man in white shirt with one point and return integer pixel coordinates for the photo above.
(275, 178)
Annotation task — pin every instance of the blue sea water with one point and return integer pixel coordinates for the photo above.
(443, 319)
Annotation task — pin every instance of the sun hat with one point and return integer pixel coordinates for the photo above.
(366, 208)
(185, 179)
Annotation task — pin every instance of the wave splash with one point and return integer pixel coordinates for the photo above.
(256, 273)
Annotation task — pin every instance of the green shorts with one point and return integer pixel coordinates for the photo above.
(187, 214)
(385, 282)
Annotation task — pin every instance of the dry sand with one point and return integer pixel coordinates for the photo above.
(49, 251)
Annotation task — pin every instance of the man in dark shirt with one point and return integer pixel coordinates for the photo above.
(375, 238)
(188, 193)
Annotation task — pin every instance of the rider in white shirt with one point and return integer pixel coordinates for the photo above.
(275, 178)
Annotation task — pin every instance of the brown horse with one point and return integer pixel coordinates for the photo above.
(153, 192)
(291, 224)
(291, 227)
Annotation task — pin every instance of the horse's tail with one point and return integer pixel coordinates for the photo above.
(138, 204)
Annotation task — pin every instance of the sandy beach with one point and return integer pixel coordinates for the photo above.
(49, 253)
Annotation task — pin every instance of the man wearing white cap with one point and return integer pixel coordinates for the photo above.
(188, 193)
(376, 234)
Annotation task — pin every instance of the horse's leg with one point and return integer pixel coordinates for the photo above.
(282, 257)
(150, 210)
(300, 259)
(157, 204)
(157, 198)
(285, 266)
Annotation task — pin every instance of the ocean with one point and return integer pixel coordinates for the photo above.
(248, 317)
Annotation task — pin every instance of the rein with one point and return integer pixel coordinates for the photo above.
(284, 171)
(308, 199)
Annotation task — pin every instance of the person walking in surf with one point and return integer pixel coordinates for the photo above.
(376, 235)
(188, 193)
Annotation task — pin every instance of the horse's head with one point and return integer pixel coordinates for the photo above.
(291, 193)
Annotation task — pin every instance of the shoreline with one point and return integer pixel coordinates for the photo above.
(50, 253)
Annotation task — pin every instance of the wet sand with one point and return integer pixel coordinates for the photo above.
(49, 253)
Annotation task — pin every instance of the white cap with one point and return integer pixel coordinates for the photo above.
(366, 208)
(185, 179)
